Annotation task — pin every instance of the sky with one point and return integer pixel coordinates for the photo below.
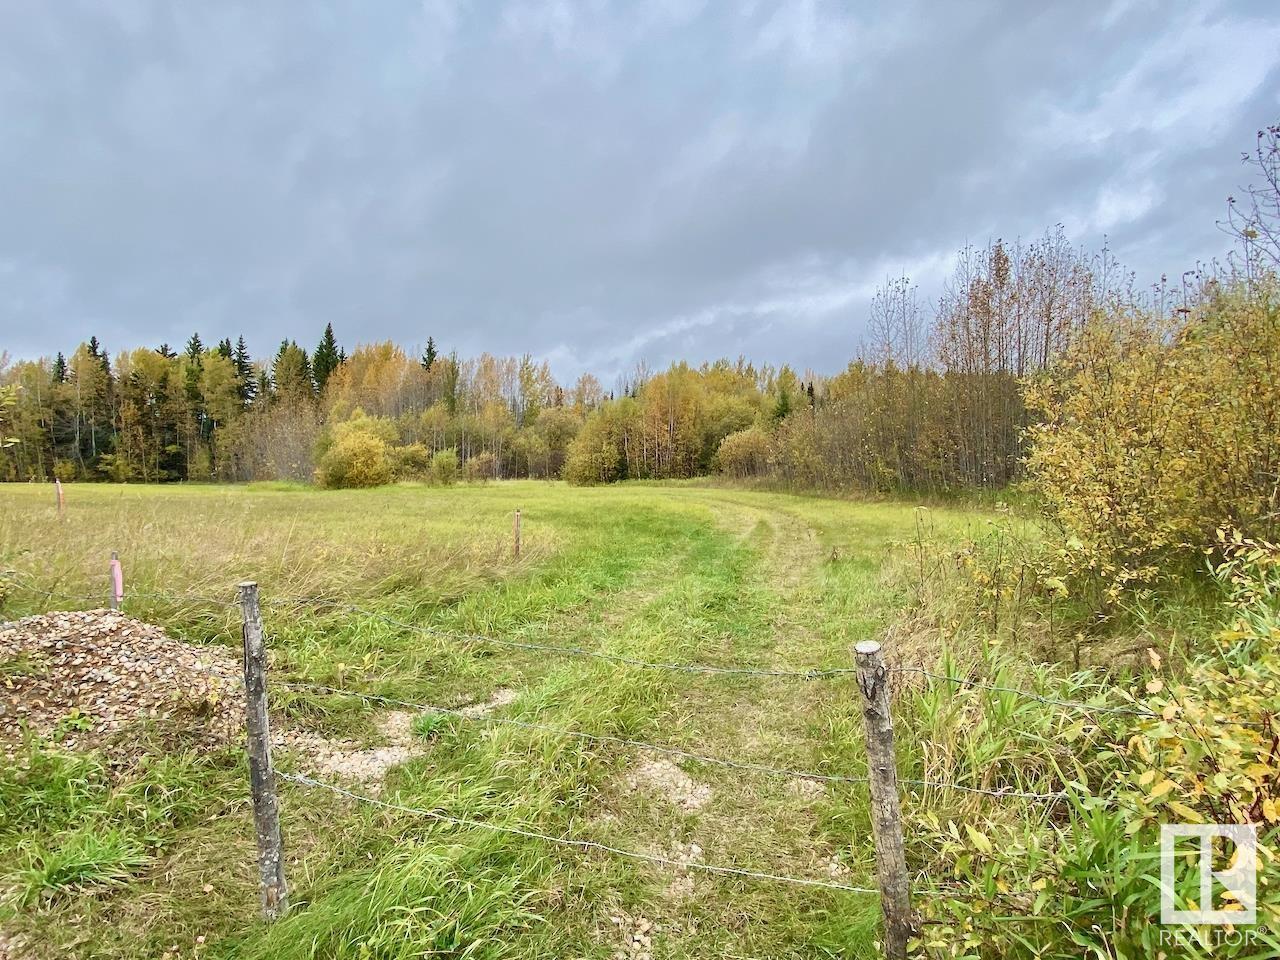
(596, 183)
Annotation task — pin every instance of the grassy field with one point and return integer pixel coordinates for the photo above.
(674, 573)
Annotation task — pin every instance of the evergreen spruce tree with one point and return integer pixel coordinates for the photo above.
(99, 352)
(429, 354)
(783, 406)
(166, 351)
(326, 358)
(291, 373)
(194, 354)
(308, 375)
(244, 371)
(224, 348)
(60, 368)
(195, 351)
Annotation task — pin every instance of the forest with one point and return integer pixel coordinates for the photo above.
(932, 403)
(1138, 415)
(1053, 494)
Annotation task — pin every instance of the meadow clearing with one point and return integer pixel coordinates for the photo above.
(480, 710)
(672, 573)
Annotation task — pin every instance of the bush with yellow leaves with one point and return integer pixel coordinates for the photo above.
(1154, 432)
(357, 458)
(744, 454)
(1202, 746)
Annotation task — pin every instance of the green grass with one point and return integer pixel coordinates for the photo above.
(126, 863)
(85, 857)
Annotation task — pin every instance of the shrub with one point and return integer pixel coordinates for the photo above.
(411, 461)
(594, 456)
(114, 467)
(359, 422)
(482, 467)
(444, 467)
(1153, 434)
(357, 459)
(743, 454)
(1201, 750)
(86, 857)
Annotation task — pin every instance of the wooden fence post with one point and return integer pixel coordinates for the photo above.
(62, 502)
(517, 533)
(886, 814)
(262, 776)
(116, 576)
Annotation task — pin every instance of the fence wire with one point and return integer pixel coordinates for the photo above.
(463, 713)
(577, 843)
(11, 578)
(815, 673)
(1080, 705)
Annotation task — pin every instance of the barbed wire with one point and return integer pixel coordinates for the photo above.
(463, 713)
(1025, 694)
(686, 668)
(1080, 705)
(697, 668)
(576, 842)
(11, 578)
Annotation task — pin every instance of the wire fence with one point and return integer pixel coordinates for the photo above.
(726, 670)
(792, 774)
(581, 844)
(878, 778)
(732, 670)
(788, 773)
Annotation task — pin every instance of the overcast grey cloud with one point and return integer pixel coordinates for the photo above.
(593, 183)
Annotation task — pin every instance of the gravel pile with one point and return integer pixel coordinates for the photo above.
(82, 676)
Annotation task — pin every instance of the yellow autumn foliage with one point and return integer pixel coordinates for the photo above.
(1154, 432)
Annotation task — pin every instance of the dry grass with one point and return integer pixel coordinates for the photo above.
(672, 573)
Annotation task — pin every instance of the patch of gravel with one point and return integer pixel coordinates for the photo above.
(11, 947)
(636, 934)
(806, 788)
(681, 887)
(660, 777)
(502, 697)
(83, 675)
(835, 869)
(347, 760)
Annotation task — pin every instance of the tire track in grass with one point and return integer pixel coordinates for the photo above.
(706, 813)
(707, 596)
(540, 781)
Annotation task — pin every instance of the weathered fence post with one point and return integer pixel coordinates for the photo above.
(517, 533)
(262, 776)
(62, 502)
(116, 575)
(886, 814)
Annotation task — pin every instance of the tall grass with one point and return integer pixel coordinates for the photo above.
(686, 573)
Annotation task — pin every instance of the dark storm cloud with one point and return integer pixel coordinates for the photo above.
(592, 183)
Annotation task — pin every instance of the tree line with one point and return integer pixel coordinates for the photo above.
(933, 402)
(941, 396)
